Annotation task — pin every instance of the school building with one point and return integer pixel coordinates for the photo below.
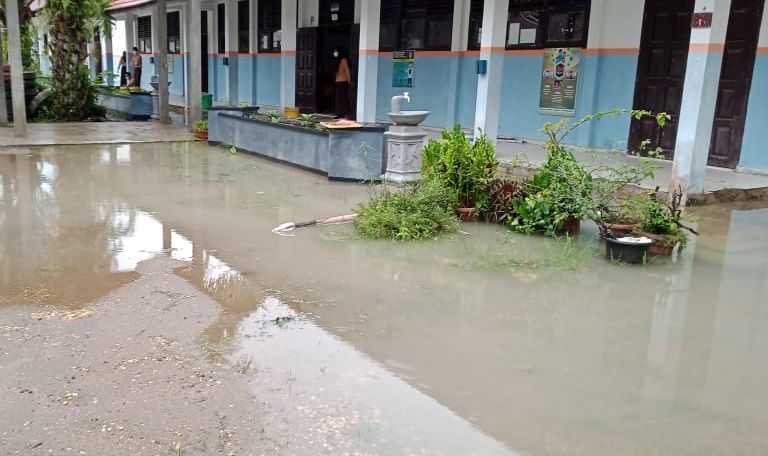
(503, 67)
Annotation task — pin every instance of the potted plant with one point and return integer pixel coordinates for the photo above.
(495, 202)
(462, 166)
(201, 129)
(662, 223)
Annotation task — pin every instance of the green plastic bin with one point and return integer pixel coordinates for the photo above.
(206, 100)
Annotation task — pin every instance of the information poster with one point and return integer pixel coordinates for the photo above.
(559, 79)
(402, 68)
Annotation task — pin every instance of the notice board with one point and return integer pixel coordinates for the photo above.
(559, 81)
(402, 68)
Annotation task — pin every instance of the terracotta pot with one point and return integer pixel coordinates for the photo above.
(571, 226)
(201, 134)
(622, 228)
(659, 247)
(467, 214)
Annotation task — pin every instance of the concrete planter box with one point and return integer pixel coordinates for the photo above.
(136, 106)
(346, 154)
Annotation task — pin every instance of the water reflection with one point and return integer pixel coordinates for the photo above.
(665, 359)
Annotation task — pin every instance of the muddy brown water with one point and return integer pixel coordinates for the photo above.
(484, 342)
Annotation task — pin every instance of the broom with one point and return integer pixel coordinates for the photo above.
(290, 226)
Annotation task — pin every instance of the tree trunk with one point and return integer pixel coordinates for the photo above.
(73, 95)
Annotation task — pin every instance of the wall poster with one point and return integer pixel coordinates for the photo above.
(402, 68)
(559, 79)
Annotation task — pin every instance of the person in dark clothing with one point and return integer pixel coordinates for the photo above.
(122, 68)
(343, 84)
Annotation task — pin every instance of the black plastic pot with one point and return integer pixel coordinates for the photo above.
(628, 252)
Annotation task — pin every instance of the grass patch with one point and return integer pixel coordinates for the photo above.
(417, 211)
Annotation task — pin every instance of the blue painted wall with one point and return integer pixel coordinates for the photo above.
(219, 82)
(176, 78)
(605, 82)
(754, 149)
(245, 72)
(268, 80)
(440, 85)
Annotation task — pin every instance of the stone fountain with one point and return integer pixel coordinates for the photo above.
(405, 140)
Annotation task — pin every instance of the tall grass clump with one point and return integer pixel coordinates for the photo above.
(418, 211)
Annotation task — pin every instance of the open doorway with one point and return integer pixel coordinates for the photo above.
(315, 64)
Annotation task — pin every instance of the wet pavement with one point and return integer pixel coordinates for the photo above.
(478, 343)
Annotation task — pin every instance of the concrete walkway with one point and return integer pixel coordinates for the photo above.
(49, 134)
(721, 184)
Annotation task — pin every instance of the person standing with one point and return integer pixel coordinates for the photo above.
(136, 63)
(343, 84)
(121, 67)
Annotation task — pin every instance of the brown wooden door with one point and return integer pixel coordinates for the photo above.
(735, 82)
(661, 71)
(354, 62)
(306, 69)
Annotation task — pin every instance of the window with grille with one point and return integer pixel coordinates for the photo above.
(243, 26)
(221, 30)
(269, 25)
(416, 24)
(475, 24)
(144, 34)
(174, 32)
(536, 24)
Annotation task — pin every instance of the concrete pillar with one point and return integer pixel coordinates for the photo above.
(254, 50)
(697, 112)
(288, 54)
(231, 38)
(368, 62)
(17, 67)
(160, 30)
(109, 53)
(459, 40)
(3, 107)
(488, 107)
(130, 38)
(194, 62)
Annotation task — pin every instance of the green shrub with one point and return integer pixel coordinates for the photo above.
(459, 164)
(418, 211)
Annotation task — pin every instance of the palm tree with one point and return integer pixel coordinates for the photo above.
(72, 23)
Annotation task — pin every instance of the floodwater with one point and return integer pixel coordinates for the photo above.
(483, 342)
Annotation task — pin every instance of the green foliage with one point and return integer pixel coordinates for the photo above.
(495, 203)
(459, 164)
(201, 125)
(307, 119)
(273, 116)
(418, 211)
(72, 24)
(664, 220)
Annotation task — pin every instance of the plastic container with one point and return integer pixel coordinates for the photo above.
(206, 101)
(291, 113)
(628, 252)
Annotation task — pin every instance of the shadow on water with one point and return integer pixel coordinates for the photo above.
(544, 346)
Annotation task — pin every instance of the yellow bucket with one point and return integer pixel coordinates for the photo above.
(291, 113)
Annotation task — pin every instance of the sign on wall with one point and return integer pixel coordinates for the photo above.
(559, 79)
(402, 68)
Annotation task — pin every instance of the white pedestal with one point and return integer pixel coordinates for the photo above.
(404, 146)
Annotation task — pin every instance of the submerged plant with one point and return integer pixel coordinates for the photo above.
(459, 164)
(418, 211)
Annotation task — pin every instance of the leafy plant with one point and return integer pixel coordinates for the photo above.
(273, 116)
(201, 125)
(460, 165)
(495, 203)
(418, 211)
(664, 221)
(307, 119)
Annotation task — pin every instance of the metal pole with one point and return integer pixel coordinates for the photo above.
(17, 68)
(161, 21)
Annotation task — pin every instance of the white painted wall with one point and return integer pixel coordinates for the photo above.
(763, 40)
(309, 11)
(615, 24)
